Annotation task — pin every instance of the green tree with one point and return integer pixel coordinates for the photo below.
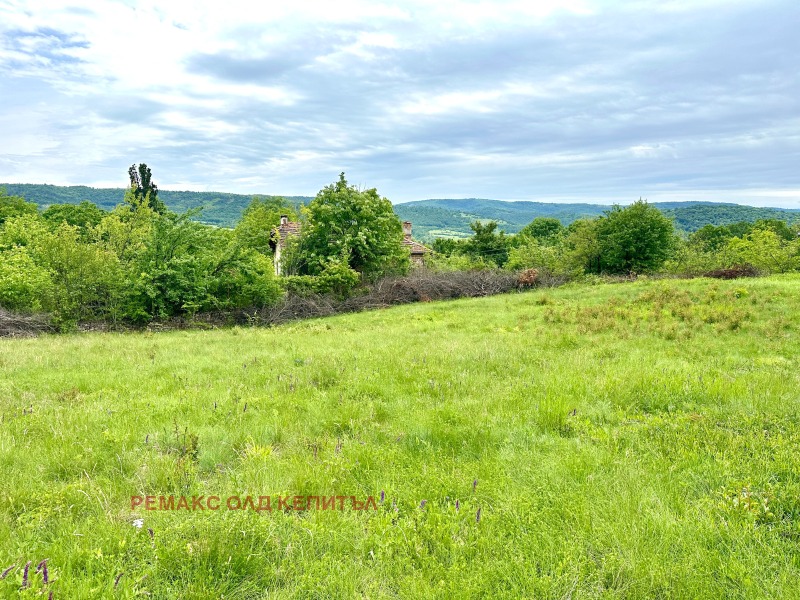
(259, 219)
(488, 243)
(24, 285)
(635, 238)
(14, 206)
(144, 189)
(357, 228)
(710, 238)
(545, 230)
(780, 228)
(533, 254)
(85, 215)
(582, 247)
(764, 249)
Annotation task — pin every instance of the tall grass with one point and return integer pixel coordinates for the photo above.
(631, 440)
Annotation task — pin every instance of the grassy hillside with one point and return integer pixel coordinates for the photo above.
(632, 440)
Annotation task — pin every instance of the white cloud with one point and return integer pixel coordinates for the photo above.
(505, 99)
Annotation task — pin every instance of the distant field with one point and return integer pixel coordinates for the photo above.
(634, 440)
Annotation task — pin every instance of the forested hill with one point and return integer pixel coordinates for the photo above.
(451, 218)
(219, 208)
(431, 218)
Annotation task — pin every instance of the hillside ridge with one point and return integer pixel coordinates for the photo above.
(435, 217)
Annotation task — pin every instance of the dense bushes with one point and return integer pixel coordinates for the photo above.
(132, 264)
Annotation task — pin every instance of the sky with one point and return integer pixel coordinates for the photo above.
(549, 100)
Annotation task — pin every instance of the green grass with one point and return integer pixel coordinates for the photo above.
(629, 441)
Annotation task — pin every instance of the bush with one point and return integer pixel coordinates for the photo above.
(24, 285)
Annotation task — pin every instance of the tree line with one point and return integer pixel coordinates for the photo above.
(635, 239)
(139, 261)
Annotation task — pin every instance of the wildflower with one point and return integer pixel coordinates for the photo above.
(25, 583)
(383, 496)
(474, 485)
(423, 503)
(5, 573)
(42, 566)
(458, 505)
(478, 516)
(138, 523)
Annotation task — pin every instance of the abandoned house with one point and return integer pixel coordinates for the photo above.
(289, 228)
(418, 251)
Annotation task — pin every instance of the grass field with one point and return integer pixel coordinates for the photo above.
(634, 440)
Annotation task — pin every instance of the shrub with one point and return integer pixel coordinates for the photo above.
(24, 285)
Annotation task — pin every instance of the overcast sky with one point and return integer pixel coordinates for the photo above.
(579, 100)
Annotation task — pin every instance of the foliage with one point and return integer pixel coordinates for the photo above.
(219, 208)
(635, 238)
(545, 230)
(764, 249)
(86, 216)
(144, 188)
(582, 247)
(336, 279)
(24, 285)
(487, 243)
(444, 263)
(86, 278)
(532, 254)
(431, 218)
(356, 227)
(133, 265)
(173, 272)
(487, 246)
(14, 206)
(262, 215)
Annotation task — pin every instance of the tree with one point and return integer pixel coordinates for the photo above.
(143, 188)
(545, 230)
(635, 238)
(254, 230)
(14, 206)
(488, 243)
(352, 227)
(710, 238)
(582, 247)
(85, 215)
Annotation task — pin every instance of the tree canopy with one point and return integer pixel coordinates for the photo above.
(357, 228)
(144, 189)
(545, 230)
(14, 206)
(635, 238)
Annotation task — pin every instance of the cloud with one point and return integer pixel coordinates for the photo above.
(561, 99)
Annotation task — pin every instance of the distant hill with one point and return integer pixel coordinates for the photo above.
(219, 208)
(431, 218)
(451, 217)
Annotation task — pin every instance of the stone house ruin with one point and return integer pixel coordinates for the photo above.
(418, 251)
(279, 237)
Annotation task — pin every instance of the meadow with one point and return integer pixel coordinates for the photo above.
(631, 440)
